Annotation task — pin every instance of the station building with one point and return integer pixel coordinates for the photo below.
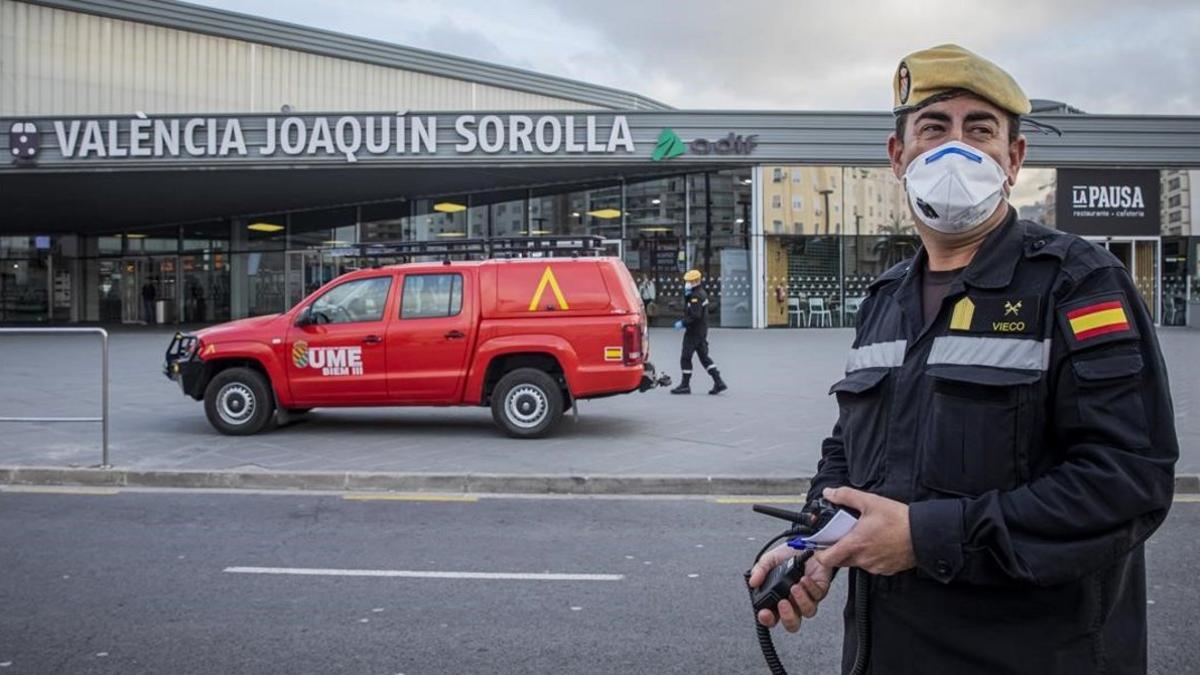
(170, 163)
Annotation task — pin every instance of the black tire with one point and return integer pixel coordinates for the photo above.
(239, 402)
(527, 403)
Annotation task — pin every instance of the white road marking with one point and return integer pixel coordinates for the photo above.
(59, 490)
(422, 574)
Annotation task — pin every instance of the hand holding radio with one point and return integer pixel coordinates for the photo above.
(804, 595)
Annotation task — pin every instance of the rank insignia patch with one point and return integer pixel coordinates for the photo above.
(997, 315)
(1097, 320)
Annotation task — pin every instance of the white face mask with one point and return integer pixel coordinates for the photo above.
(687, 285)
(953, 188)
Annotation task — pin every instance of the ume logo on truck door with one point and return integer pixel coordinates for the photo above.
(547, 280)
(331, 361)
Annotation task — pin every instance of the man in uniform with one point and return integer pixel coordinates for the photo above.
(695, 337)
(1005, 426)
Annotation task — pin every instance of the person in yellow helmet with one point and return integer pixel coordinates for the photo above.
(694, 325)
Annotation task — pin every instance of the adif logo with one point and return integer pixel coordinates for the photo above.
(1107, 197)
(24, 140)
(668, 145)
(331, 361)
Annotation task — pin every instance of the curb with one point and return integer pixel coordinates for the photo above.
(470, 483)
(355, 481)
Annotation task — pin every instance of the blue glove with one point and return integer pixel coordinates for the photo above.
(679, 325)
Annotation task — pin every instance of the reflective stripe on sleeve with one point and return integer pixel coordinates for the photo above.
(878, 355)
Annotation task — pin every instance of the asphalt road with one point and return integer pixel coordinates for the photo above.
(136, 582)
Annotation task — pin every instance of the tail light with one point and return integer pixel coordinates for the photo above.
(631, 342)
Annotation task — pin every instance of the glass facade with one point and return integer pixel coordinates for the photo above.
(822, 234)
(26, 278)
(828, 232)
(700, 221)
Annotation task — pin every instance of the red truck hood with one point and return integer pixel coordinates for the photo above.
(242, 328)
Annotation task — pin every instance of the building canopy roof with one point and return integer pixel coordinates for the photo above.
(237, 26)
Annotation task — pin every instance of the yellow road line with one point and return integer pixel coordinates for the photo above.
(406, 497)
(1190, 498)
(59, 490)
(758, 500)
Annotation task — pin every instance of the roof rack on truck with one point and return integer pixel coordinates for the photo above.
(495, 247)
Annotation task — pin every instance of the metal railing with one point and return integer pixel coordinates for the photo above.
(103, 418)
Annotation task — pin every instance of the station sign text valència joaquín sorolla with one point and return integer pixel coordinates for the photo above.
(344, 138)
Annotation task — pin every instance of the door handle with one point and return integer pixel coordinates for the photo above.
(455, 335)
(372, 340)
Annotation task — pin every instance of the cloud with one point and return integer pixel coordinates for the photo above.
(1103, 56)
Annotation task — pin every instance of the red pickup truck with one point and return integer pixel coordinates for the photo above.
(528, 337)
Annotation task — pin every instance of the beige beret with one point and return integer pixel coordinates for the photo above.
(925, 74)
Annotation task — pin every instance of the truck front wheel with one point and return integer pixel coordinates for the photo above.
(527, 403)
(238, 402)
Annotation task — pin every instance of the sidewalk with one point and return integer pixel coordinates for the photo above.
(766, 429)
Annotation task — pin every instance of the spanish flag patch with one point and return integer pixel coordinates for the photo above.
(1097, 320)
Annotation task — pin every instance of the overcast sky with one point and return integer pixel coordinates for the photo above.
(1102, 56)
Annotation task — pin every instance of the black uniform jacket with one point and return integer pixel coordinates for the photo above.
(695, 312)
(1030, 429)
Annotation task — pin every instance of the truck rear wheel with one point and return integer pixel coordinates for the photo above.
(238, 402)
(527, 403)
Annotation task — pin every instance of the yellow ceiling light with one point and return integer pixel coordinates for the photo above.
(135, 236)
(449, 207)
(451, 234)
(607, 214)
(540, 231)
(264, 227)
(656, 228)
(335, 242)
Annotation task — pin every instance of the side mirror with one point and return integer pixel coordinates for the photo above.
(304, 318)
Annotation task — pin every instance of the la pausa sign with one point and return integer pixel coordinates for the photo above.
(348, 136)
(1107, 197)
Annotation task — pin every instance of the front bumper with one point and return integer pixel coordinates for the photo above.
(182, 364)
(651, 378)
